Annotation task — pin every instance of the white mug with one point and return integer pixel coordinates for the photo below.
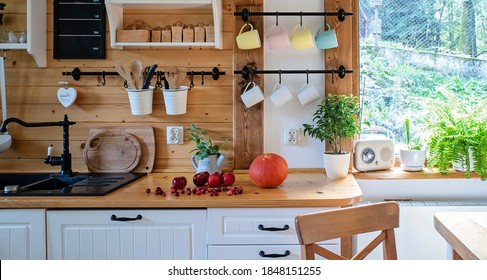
(308, 94)
(252, 96)
(280, 95)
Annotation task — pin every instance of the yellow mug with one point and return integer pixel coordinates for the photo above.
(248, 40)
(302, 39)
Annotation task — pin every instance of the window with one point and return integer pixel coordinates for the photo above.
(415, 49)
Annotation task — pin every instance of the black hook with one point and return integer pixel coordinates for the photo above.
(125, 85)
(301, 18)
(279, 76)
(277, 18)
(158, 79)
(252, 77)
(191, 84)
(103, 82)
(332, 76)
(245, 15)
(307, 76)
(202, 77)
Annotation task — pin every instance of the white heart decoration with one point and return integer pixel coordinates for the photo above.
(66, 96)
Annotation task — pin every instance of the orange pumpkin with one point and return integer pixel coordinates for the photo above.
(268, 170)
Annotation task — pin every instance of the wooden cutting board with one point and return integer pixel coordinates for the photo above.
(113, 149)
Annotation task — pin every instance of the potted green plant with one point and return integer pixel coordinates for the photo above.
(412, 158)
(208, 154)
(335, 120)
(457, 138)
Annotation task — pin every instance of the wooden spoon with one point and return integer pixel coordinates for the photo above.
(137, 68)
(125, 73)
(171, 76)
(181, 76)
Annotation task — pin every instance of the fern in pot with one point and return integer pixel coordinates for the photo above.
(335, 121)
(457, 137)
(412, 158)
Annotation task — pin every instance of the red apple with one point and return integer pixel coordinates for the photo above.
(214, 180)
(201, 178)
(179, 183)
(228, 179)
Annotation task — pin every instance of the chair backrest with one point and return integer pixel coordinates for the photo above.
(345, 222)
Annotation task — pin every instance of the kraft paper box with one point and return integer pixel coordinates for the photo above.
(199, 33)
(177, 32)
(188, 34)
(156, 35)
(210, 33)
(133, 35)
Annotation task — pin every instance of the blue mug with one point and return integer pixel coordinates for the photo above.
(326, 39)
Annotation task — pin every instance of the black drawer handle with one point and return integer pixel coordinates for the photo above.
(124, 219)
(264, 255)
(261, 227)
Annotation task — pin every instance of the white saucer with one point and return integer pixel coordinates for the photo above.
(411, 168)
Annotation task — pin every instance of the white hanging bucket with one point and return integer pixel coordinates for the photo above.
(141, 100)
(175, 100)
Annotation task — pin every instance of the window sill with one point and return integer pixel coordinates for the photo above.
(397, 173)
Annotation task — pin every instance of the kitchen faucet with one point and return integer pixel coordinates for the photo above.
(65, 159)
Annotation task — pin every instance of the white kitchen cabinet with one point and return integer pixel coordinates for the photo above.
(145, 234)
(256, 233)
(22, 234)
(36, 33)
(115, 12)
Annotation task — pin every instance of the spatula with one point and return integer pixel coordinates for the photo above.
(125, 73)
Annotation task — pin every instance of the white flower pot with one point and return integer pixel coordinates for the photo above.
(462, 168)
(336, 165)
(412, 160)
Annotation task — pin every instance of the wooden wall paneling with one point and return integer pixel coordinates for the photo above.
(31, 96)
(248, 123)
(347, 55)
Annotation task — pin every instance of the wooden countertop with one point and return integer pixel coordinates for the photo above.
(466, 232)
(301, 189)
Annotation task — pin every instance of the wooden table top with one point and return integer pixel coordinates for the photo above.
(466, 232)
(300, 189)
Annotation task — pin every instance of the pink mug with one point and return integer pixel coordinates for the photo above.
(277, 39)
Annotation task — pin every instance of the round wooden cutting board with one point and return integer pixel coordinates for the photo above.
(105, 153)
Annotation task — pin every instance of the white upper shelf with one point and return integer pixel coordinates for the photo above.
(36, 33)
(115, 19)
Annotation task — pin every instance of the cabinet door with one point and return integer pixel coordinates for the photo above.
(22, 234)
(127, 234)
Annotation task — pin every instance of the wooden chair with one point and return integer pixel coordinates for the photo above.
(345, 222)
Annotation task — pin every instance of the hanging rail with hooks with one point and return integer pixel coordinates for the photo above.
(245, 13)
(77, 73)
(341, 72)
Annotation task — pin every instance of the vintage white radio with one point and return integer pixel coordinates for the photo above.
(374, 153)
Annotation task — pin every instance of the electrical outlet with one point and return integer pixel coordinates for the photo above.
(290, 136)
(175, 135)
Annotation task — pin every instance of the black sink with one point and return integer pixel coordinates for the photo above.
(82, 184)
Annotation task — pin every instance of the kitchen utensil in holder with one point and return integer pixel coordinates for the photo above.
(141, 100)
(175, 100)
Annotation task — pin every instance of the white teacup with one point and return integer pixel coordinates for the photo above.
(252, 96)
(308, 94)
(280, 95)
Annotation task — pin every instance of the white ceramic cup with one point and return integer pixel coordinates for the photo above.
(252, 96)
(280, 95)
(308, 94)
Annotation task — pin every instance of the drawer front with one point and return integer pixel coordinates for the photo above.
(255, 225)
(126, 234)
(259, 252)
